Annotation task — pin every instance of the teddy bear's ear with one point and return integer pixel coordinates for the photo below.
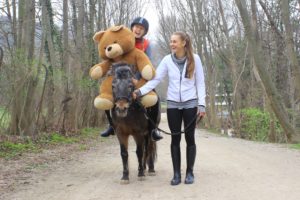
(117, 28)
(98, 36)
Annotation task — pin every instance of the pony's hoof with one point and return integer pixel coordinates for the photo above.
(151, 173)
(124, 182)
(141, 178)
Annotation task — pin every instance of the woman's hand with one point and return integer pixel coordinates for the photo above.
(201, 112)
(201, 115)
(135, 81)
(135, 94)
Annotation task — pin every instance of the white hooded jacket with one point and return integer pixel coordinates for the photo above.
(180, 89)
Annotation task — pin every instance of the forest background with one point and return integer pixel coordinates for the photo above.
(249, 50)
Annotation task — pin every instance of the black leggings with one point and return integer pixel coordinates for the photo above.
(175, 117)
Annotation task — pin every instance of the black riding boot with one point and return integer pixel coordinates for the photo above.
(175, 153)
(154, 114)
(190, 160)
(110, 130)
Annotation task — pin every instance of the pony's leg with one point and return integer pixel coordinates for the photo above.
(151, 170)
(139, 140)
(140, 153)
(150, 147)
(124, 155)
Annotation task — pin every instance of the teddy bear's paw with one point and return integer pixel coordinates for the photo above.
(149, 100)
(103, 104)
(96, 72)
(147, 72)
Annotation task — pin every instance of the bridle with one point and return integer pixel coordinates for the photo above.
(123, 72)
(120, 71)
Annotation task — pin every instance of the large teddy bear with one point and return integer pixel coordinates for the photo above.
(117, 44)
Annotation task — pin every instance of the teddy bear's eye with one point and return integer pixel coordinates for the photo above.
(115, 41)
(104, 48)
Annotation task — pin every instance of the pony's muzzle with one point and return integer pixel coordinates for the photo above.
(122, 106)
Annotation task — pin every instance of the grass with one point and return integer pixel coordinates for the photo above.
(9, 150)
(293, 146)
(296, 146)
(57, 138)
(214, 131)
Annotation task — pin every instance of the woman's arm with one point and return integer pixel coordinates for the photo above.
(200, 83)
(160, 73)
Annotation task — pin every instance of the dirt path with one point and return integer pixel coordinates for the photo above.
(226, 168)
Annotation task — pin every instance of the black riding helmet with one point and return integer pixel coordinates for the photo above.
(141, 21)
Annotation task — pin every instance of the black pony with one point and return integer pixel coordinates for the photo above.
(129, 119)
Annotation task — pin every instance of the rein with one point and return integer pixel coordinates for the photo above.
(163, 131)
(115, 67)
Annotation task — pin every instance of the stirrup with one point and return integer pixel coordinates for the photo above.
(155, 136)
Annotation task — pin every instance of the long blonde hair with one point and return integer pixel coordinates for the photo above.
(189, 53)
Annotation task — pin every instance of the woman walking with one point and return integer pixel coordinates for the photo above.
(185, 99)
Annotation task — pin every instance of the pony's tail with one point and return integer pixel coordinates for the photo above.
(150, 150)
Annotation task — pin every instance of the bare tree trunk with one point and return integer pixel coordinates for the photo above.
(12, 17)
(74, 17)
(290, 44)
(31, 29)
(50, 52)
(92, 56)
(21, 11)
(195, 7)
(256, 49)
(79, 33)
(66, 40)
(46, 15)
(22, 113)
(16, 102)
(29, 35)
(101, 22)
(66, 119)
(121, 14)
(81, 60)
(92, 59)
(38, 125)
(233, 64)
(14, 26)
(211, 82)
(232, 58)
(281, 75)
(285, 12)
(1, 57)
(196, 14)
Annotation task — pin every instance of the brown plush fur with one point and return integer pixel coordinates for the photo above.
(117, 44)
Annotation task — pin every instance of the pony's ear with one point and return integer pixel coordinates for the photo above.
(117, 28)
(98, 36)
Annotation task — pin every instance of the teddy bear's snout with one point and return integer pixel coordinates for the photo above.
(113, 50)
(109, 48)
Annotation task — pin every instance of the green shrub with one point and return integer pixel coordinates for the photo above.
(4, 118)
(255, 124)
(296, 146)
